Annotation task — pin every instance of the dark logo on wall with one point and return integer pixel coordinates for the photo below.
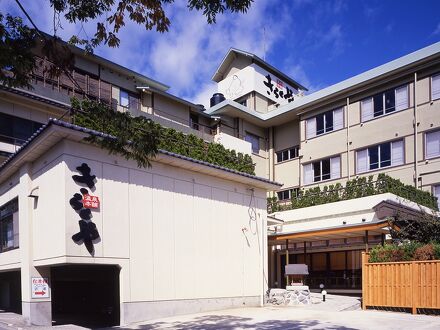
(277, 90)
(88, 233)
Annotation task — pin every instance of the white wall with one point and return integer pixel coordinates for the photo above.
(176, 234)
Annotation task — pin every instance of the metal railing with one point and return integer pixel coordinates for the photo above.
(10, 144)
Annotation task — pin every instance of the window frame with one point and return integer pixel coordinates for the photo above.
(289, 191)
(433, 188)
(289, 150)
(252, 146)
(384, 113)
(121, 90)
(425, 138)
(8, 217)
(431, 94)
(379, 160)
(320, 161)
(332, 111)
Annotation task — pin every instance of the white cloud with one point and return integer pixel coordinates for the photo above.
(436, 30)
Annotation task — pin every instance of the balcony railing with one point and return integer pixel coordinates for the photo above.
(9, 144)
(356, 188)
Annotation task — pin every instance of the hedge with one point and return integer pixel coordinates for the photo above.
(408, 251)
(355, 188)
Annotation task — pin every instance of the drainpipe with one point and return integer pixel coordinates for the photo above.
(271, 160)
(416, 170)
(348, 140)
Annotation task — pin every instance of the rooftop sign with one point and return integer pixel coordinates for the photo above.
(255, 78)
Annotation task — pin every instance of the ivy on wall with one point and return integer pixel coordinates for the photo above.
(139, 138)
(356, 188)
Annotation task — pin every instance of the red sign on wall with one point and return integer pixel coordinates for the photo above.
(90, 202)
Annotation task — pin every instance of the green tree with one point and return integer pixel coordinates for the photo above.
(17, 39)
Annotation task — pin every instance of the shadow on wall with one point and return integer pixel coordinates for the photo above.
(211, 322)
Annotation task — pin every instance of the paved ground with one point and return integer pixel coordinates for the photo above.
(337, 312)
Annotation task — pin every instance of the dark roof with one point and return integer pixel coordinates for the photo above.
(107, 136)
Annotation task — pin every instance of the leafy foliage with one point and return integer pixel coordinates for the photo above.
(408, 251)
(135, 138)
(355, 188)
(423, 227)
(140, 139)
(16, 59)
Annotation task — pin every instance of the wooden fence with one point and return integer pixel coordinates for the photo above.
(412, 284)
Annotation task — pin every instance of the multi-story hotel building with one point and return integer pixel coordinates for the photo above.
(386, 120)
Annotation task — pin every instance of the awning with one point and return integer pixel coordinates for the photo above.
(345, 231)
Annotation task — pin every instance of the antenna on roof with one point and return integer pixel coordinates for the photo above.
(264, 43)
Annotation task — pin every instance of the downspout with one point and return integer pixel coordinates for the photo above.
(416, 170)
(348, 140)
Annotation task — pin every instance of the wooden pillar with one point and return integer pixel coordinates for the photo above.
(364, 280)
(366, 241)
(305, 253)
(383, 239)
(287, 260)
(278, 269)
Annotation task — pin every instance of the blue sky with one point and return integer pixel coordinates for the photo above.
(316, 42)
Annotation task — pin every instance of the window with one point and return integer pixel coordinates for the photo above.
(287, 154)
(287, 194)
(432, 148)
(16, 130)
(435, 87)
(254, 141)
(379, 156)
(325, 169)
(324, 123)
(194, 121)
(123, 98)
(436, 193)
(243, 102)
(129, 100)
(384, 103)
(9, 226)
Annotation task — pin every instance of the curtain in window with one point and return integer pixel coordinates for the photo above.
(338, 118)
(435, 88)
(433, 144)
(335, 167)
(310, 128)
(397, 153)
(362, 161)
(308, 173)
(367, 109)
(402, 98)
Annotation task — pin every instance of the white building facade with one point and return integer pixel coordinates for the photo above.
(182, 236)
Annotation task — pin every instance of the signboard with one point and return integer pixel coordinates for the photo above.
(40, 287)
(255, 78)
(90, 202)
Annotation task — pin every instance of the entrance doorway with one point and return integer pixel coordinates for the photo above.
(10, 291)
(85, 295)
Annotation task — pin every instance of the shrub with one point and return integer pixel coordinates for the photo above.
(408, 251)
(425, 252)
